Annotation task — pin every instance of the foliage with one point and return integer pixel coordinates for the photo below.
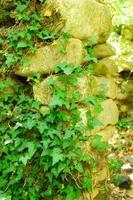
(30, 32)
(115, 165)
(47, 144)
(41, 154)
(124, 123)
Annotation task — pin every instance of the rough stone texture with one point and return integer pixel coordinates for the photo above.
(42, 91)
(86, 86)
(125, 59)
(103, 50)
(127, 32)
(108, 116)
(107, 133)
(125, 62)
(105, 85)
(83, 18)
(110, 113)
(46, 58)
(106, 67)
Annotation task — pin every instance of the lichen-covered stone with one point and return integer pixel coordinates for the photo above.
(108, 116)
(106, 67)
(87, 85)
(125, 59)
(107, 133)
(82, 18)
(107, 86)
(110, 113)
(127, 32)
(103, 50)
(46, 58)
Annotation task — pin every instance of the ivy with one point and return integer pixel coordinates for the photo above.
(41, 153)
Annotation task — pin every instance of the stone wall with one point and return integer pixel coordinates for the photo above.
(87, 22)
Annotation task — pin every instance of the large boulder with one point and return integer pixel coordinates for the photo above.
(46, 58)
(81, 18)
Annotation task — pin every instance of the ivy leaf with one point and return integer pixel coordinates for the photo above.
(21, 7)
(87, 183)
(79, 167)
(41, 127)
(70, 193)
(22, 44)
(57, 155)
(98, 144)
(29, 124)
(56, 101)
(89, 58)
(65, 68)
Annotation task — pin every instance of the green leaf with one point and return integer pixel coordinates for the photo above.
(89, 58)
(79, 167)
(70, 193)
(65, 68)
(98, 144)
(22, 44)
(56, 101)
(87, 183)
(29, 124)
(57, 155)
(21, 7)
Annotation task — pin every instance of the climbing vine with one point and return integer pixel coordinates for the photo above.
(41, 148)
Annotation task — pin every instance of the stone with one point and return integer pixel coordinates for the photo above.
(110, 113)
(103, 50)
(125, 62)
(127, 32)
(122, 181)
(107, 133)
(82, 18)
(105, 85)
(125, 59)
(87, 85)
(108, 116)
(106, 67)
(46, 58)
(41, 91)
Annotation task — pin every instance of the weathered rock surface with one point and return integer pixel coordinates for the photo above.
(105, 85)
(103, 50)
(108, 116)
(106, 67)
(86, 86)
(110, 113)
(125, 59)
(46, 58)
(82, 18)
(125, 62)
(127, 32)
(107, 133)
